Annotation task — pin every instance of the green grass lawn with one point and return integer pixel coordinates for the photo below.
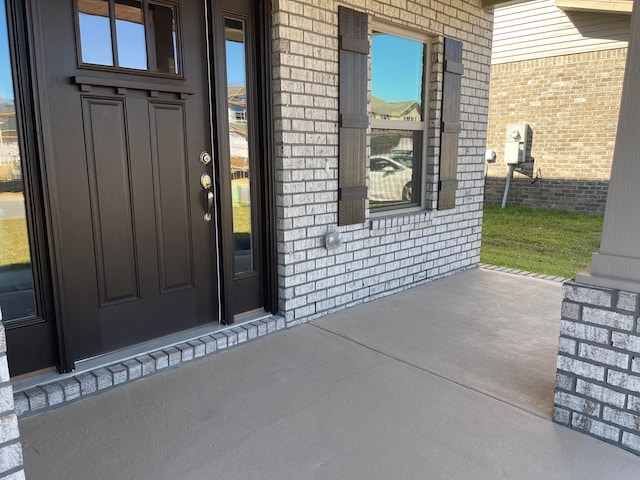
(14, 250)
(542, 241)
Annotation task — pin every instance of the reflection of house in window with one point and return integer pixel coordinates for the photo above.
(241, 116)
(409, 111)
(238, 144)
(237, 105)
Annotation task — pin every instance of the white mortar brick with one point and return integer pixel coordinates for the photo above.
(581, 368)
(590, 296)
(625, 341)
(577, 404)
(627, 301)
(608, 318)
(9, 428)
(6, 399)
(564, 381)
(601, 394)
(603, 355)
(584, 332)
(570, 310)
(560, 415)
(623, 419)
(10, 457)
(4, 369)
(624, 380)
(566, 345)
(596, 428)
(631, 441)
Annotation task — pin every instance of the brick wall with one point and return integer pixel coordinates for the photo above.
(572, 104)
(588, 196)
(388, 254)
(598, 379)
(10, 447)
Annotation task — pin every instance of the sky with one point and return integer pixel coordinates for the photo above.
(6, 82)
(396, 68)
(235, 64)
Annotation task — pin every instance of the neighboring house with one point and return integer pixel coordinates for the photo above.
(410, 111)
(558, 66)
(131, 143)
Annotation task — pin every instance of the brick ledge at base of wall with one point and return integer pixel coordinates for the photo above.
(72, 387)
(515, 271)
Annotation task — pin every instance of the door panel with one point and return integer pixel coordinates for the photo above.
(169, 158)
(135, 258)
(110, 195)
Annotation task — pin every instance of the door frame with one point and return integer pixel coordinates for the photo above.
(30, 87)
(20, 33)
(267, 145)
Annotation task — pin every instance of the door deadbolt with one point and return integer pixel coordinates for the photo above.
(205, 181)
(205, 158)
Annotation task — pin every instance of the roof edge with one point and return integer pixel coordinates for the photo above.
(491, 4)
(620, 7)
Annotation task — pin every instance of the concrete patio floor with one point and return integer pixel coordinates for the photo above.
(451, 380)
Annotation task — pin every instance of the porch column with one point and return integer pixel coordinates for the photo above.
(617, 265)
(10, 447)
(598, 376)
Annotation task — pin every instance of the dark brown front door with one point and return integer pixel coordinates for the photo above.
(126, 122)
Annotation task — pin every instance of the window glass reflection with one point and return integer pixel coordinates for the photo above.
(95, 32)
(394, 168)
(397, 66)
(163, 32)
(144, 41)
(132, 45)
(239, 145)
(16, 279)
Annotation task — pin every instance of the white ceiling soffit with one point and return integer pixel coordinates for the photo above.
(620, 7)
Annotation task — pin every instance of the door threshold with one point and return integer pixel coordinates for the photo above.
(39, 393)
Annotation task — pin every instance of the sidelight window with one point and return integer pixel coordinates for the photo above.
(128, 34)
(17, 298)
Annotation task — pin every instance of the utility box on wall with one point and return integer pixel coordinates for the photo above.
(517, 148)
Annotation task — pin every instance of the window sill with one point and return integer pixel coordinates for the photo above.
(419, 218)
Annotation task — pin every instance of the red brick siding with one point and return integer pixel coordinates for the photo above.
(572, 104)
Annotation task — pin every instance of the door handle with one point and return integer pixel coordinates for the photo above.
(205, 181)
(207, 216)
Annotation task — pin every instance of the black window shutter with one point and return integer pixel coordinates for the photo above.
(450, 130)
(354, 51)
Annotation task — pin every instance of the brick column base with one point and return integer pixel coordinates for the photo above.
(10, 447)
(598, 376)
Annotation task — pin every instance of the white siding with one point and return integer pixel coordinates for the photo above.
(540, 29)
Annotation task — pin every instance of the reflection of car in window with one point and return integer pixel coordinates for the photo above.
(390, 179)
(404, 159)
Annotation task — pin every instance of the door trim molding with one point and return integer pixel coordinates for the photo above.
(267, 146)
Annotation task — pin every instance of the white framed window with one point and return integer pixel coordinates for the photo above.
(399, 126)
